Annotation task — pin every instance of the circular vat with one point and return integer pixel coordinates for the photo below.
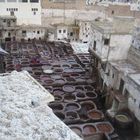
(58, 70)
(58, 92)
(71, 115)
(88, 88)
(87, 106)
(123, 120)
(49, 81)
(89, 130)
(80, 95)
(65, 66)
(75, 66)
(95, 115)
(69, 97)
(91, 95)
(48, 71)
(77, 130)
(58, 98)
(104, 127)
(56, 106)
(60, 81)
(68, 88)
(56, 76)
(70, 79)
(72, 107)
(79, 88)
(75, 75)
(60, 115)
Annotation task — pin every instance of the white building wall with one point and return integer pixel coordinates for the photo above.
(85, 31)
(32, 33)
(134, 97)
(23, 12)
(62, 32)
(119, 46)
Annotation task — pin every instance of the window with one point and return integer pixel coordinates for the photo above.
(23, 0)
(112, 12)
(121, 86)
(12, 13)
(9, 34)
(4, 20)
(38, 32)
(23, 33)
(113, 75)
(34, 1)
(106, 41)
(34, 9)
(34, 13)
(59, 31)
(64, 31)
(94, 47)
(86, 35)
(71, 33)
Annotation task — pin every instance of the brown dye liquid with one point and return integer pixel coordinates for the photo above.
(95, 115)
(105, 128)
(77, 131)
(89, 130)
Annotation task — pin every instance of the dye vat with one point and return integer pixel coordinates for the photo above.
(56, 106)
(104, 127)
(77, 130)
(95, 115)
(72, 107)
(69, 98)
(89, 130)
(68, 88)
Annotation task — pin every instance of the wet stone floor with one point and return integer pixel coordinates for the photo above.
(66, 76)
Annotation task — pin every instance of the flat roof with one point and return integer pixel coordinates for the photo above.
(24, 111)
(105, 26)
(7, 17)
(135, 78)
(125, 66)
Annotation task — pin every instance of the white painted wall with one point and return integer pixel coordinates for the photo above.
(24, 14)
(62, 34)
(73, 14)
(134, 98)
(85, 31)
(32, 33)
(119, 46)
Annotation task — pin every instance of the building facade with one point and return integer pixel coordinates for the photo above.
(26, 11)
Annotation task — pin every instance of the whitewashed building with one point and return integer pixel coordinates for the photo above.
(8, 28)
(85, 31)
(31, 32)
(120, 83)
(67, 32)
(110, 42)
(26, 11)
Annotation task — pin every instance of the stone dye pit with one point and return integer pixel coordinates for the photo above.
(66, 76)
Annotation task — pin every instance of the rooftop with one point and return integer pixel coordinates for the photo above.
(135, 78)
(24, 113)
(7, 17)
(125, 67)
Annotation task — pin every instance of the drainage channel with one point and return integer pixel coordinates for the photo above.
(67, 77)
